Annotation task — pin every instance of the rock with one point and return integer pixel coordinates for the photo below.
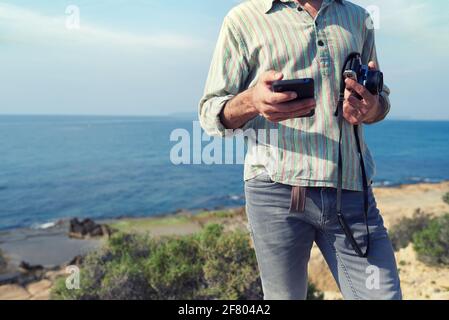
(10, 277)
(77, 261)
(13, 292)
(44, 295)
(26, 267)
(88, 229)
(29, 273)
(37, 288)
(35, 291)
(54, 275)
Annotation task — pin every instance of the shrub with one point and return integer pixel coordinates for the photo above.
(401, 234)
(209, 265)
(173, 269)
(3, 262)
(432, 243)
(230, 266)
(313, 293)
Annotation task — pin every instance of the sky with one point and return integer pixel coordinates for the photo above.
(148, 57)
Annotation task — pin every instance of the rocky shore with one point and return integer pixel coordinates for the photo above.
(35, 258)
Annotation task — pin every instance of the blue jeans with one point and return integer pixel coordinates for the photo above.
(283, 241)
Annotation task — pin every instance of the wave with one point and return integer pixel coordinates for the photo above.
(212, 203)
(408, 180)
(234, 197)
(44, 226)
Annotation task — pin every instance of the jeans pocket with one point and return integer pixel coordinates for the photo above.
(260, 178)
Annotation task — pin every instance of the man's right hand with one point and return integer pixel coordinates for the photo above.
(278, 106)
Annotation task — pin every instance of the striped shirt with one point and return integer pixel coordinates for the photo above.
(262, 35)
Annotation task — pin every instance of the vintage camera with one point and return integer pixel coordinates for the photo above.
(370, 79)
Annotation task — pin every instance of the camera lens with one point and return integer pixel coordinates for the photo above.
(375, 82)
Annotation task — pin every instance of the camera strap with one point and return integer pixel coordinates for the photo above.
(340, 215)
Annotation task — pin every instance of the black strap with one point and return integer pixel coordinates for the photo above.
(341, 218)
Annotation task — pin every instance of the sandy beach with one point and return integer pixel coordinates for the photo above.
(52, 248)
(419, 281)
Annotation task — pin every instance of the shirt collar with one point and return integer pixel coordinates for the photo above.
(267, 5)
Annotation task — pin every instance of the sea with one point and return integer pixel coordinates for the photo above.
(58, 167)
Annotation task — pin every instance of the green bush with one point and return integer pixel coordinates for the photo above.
(209, 265)
(432, 243)
(401, 234)
(3, 262)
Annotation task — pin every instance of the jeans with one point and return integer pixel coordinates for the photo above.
(283, 241)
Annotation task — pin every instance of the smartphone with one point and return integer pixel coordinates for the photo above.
(305, 88)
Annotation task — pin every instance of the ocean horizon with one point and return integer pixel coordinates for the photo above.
(55, 167)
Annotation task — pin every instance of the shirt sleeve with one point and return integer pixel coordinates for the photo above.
(370, 54)
(227, 77)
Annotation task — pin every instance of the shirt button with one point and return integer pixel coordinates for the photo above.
(321, 43)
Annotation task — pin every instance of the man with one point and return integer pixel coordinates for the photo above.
(263, 41)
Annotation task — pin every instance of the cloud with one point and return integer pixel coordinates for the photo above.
(418, 21)
(23, 26)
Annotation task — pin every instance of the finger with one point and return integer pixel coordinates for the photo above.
(354, 121)
(372, 65)
(271, 76)
(353, 111)
(356, 113)
(289, 114)
(348, 93)
(295, 106)
(276, 117)
(358, 104)
(268, 109)
(280, 97)
(352, 85)
(300, 114)
(279, 117)
(351, 118)
(349, 111)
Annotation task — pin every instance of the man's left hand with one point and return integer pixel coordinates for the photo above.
(357, 111)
